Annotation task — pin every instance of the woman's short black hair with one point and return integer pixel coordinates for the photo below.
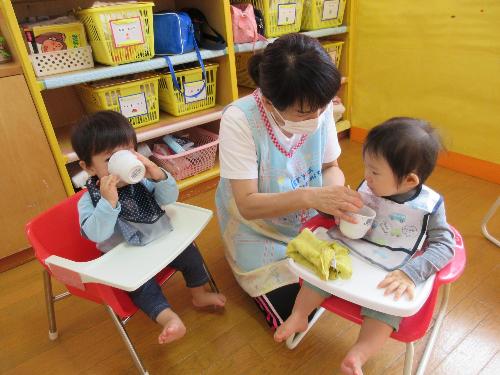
(100, 132)
(408, 145)
(295, 69)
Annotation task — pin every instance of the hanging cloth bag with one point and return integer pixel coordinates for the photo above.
(244, 24)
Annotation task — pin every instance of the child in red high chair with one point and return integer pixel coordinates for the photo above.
(112, 211)
(399, 155)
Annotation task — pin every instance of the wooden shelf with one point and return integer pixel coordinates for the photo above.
(199, 178)
(167, 124)
(102, 72)
(249, 47)
(10, 69)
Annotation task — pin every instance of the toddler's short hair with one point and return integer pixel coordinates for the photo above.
(408, 145)
(100, 132)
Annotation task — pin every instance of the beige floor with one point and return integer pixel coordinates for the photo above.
(237, 341)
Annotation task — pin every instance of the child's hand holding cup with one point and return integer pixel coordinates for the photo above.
(127, 166)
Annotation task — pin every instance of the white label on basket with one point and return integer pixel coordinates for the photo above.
(133, 105)
(287, 14)
(127, 32)
(330, 10)
(194, 91)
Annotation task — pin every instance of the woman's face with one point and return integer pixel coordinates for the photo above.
(296, 113)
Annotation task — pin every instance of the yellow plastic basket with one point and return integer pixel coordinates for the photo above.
(136, 98)
(244, 78)
(320, 14)
(174, 102)
(280, 16)
(334, 49)
(120, 34)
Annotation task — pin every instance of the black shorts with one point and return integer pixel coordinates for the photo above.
(277, 305)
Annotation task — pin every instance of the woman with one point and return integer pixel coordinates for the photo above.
(278, 155)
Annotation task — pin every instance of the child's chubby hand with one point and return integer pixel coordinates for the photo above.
(107, 186)
(399, 283)
(153, 172)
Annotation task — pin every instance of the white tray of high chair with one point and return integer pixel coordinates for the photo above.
(361, 288)
(128, 267)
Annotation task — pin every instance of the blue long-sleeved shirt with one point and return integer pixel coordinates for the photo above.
(99, 223)
(440, 245)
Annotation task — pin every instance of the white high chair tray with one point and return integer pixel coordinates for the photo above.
(361, 288)
(128, 267)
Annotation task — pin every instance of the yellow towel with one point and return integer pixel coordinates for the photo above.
(317, 255)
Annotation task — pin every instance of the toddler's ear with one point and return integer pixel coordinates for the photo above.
(90, 170)
(412, 180)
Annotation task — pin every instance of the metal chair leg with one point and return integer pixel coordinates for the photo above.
(435, 330)
(294, 340)
(211, 280)
(487, 218)
(410, 351)
(49, 303)
(126, 340)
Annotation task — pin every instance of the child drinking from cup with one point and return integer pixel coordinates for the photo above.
(116, 209)
(399, 155)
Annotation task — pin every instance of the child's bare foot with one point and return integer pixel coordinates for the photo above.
(295, 323)
(173, 328)
(203, 298)
(351, 365)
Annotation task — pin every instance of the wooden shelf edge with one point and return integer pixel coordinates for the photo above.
(167, 124)
(199, 178)
(10, 69)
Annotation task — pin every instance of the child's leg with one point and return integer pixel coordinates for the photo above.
(308, 299)
(150, 299)
(190, 263)
(375, 330)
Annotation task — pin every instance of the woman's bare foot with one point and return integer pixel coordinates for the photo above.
(295, 323)
(351, 364)
(173, 328)
(203, 298)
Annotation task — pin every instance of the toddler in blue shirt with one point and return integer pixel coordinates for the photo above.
(111, 212)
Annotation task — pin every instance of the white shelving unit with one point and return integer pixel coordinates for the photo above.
(249, 47)
(103, 72)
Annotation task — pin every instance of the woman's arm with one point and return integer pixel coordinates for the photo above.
(332, 174)
(334, 200)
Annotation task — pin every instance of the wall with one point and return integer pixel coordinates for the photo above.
(439, 60)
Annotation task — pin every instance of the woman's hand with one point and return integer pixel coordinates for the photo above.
(399, 283)
(336, 201)
(107, 187)
(153, 172)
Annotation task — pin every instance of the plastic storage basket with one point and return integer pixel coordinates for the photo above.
(198, 159)
(68, 60)
(280, 16)
(319, 14)
(244, 78)
(121, 33)
(136, 97)
(334, 49)
(190, 81)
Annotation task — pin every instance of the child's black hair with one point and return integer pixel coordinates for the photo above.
(100, 132)
(408, 145)
(295, 69)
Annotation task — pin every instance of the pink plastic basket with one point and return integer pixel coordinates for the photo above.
(192, 162)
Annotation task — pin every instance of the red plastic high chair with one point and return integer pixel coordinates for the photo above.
(55, 234)
(412, 328)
